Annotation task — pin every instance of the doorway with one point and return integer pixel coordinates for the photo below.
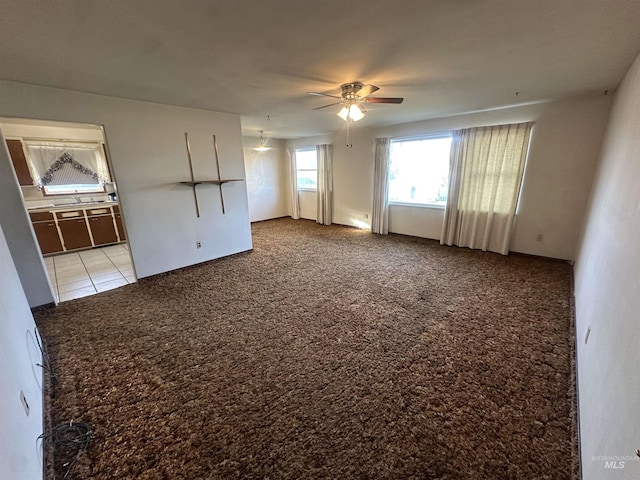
(70, 194)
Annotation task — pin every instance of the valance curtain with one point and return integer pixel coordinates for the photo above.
(380, 214)
(485, 175)
(293, 184)
(60, 164)
(325, 184)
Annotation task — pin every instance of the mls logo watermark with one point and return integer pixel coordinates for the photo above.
(615, 462)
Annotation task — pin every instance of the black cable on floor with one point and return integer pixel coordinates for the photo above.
(46, 361)
(69, 442)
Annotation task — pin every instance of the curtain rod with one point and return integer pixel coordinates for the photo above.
(61, 140)
(423, 136)
(64, 145)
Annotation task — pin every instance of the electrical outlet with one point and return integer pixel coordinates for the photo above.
(540, 237)
(366, 216)
(23, 399)
(198, 245)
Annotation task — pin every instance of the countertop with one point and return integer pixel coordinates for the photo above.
(70, 206)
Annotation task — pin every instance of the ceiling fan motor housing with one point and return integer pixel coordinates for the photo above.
(349, 90)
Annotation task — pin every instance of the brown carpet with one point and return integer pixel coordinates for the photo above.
(327, 352)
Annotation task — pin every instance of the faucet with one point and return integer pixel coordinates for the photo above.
(78, 199)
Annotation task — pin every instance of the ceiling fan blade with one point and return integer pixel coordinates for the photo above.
(323, 95)
(325, 106)
(367, 90)
(383, 100)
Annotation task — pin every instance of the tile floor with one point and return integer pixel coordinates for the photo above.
(79, 274)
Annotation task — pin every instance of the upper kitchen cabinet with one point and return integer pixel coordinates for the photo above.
(19, 162)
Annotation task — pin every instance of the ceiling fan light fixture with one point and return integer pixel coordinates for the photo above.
(343, 113)
(261, 145)
(356, 112)
(353, 111)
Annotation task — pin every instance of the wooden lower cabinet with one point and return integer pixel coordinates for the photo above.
(102, 230)
(48, 237)
(75, 233)
(79, 228)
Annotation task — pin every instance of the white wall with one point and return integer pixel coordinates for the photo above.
(20, 451)
(268, 183)
(308, 204)
(564, 151)
(148, 154)
(12, 129)
(20, 236)
(607, 297)
(266, 179)
(416, 221)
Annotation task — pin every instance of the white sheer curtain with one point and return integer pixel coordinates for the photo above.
(293, 184)
(487, 164)
(325, 184)
(380, 216)
(82, 162)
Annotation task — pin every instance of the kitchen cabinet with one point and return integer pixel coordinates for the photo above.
(101, 223)
(19, 162)
(48, 237)
(46, 232)
(65, 230)
(73, 228)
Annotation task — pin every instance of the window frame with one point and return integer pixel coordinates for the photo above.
(99, 149)
(434, 136)
(99, 189)
(306, 149)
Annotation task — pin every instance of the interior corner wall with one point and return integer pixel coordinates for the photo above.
(564, 151)
(607, 299)
(267, 179)
(146, 143)
(20, 357)
(19, 234)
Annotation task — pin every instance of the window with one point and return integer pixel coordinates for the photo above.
(307, 168)
(73, 188)
(419, 170)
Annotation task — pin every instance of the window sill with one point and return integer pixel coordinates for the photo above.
(307, 189)
(418, 205)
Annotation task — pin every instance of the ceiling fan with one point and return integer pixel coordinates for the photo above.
(353, 96)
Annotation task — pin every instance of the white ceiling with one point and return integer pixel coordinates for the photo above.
(259, 58)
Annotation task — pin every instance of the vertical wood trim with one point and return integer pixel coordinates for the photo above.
(19, 161)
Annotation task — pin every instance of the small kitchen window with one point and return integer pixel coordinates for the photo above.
(73, 188)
